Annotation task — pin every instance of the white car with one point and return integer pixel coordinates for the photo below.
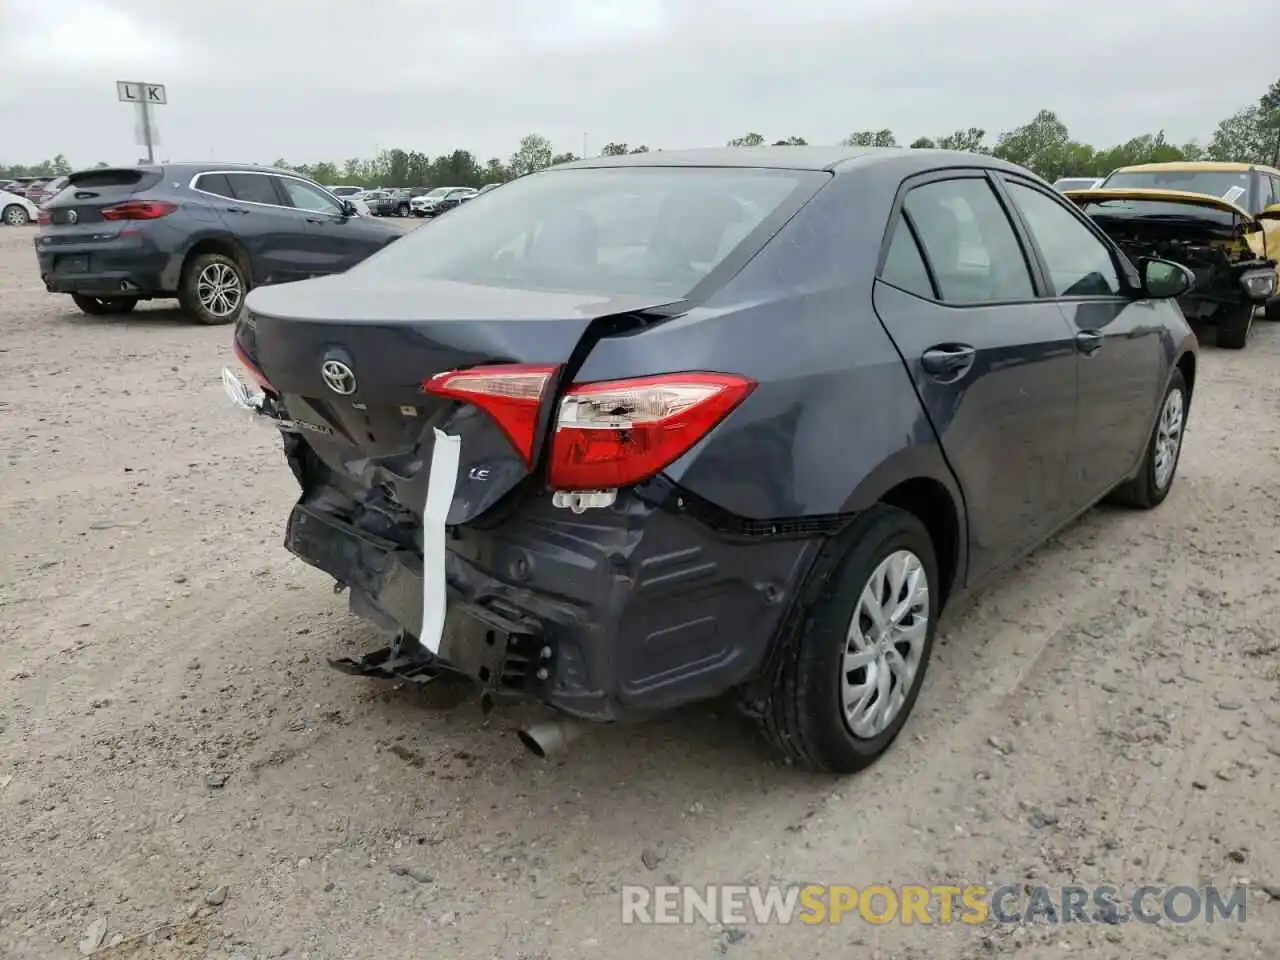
(16, 211)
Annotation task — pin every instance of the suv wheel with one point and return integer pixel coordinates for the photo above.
(212, 289)
(99, 306)
(15, 215)
(402, 210)
(1272, 310)
(1154, 478)
(840, 696)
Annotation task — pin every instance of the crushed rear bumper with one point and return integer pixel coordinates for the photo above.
(619, 611)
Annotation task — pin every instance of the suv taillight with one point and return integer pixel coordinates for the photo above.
(44, 218)
(608, 434)
(139, 210)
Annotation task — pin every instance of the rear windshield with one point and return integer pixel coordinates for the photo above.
(609, 231)
(94, 179)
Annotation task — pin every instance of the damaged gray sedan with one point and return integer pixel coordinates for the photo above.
(640, 431)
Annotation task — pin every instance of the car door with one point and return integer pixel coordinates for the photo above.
(1122, 357)
(253, 211)
(993, 363)
(336, 241)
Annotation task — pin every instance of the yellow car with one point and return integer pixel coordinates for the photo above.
(1222, 220)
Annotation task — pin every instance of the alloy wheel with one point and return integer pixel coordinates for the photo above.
(15, 216)
(1168, 437)
(219, 289)
(884, 644)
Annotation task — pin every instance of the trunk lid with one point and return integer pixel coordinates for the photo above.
(80, 203)
(378, 438)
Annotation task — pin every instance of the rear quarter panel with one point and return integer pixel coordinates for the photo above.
(834, 422)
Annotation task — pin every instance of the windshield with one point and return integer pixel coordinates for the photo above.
(610, 231)
(344, 191)
(438, 192)
(1230, 185)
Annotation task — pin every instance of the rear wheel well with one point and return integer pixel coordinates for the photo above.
(225, 246)
(931, 504)
(1187, 364)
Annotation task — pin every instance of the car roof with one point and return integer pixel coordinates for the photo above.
(194, 167)
(838, 159)
(1198, 166)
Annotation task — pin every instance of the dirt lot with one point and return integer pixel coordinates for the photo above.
(177, 758)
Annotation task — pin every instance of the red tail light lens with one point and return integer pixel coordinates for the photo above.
(620, 432)
(511, 393)
(44, 218)
(139, 210)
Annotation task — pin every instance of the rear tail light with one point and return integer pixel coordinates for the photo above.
(44, 218)
(609, 434)
(620, 432)
(139, 210)
(512, 394)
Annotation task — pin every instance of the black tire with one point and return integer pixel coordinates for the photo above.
(100, 306)
(189, 287)
(1143, 491)
(15, 215)
(1233, 330)
(402, 210)
(1272, 312)
(804, 717)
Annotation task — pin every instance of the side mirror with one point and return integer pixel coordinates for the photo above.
(1164, 279)
(1270, 213)
(349, 209)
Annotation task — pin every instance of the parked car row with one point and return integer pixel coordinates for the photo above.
(780, 409)
(406, 201)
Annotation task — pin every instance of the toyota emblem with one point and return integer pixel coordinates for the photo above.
(338, 377)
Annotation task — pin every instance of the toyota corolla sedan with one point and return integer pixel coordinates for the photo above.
(639, 431)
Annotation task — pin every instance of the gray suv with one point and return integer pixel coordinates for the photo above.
(202, 233)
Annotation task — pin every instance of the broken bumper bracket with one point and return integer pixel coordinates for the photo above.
(389, 663)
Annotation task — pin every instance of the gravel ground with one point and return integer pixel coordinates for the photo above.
(181, 769)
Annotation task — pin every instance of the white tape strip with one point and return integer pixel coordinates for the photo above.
(440, 485)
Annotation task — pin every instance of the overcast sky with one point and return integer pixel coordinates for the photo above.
(314, 79)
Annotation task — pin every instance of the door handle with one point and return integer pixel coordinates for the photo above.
(948, 361)
(314, 220)
(1089, 342)
(236, 210)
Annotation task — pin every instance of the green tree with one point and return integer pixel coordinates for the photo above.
(871, 138)
(972, 140)
(791, 142)
(922, 143)
(640, 149)
(534, 154)
(613, 150)
(749, 140)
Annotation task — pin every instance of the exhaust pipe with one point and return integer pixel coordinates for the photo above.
(545, 739)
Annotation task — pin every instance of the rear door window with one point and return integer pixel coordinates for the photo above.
(969, 242)
(215, 183)
(253, 188)
(904, 265)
